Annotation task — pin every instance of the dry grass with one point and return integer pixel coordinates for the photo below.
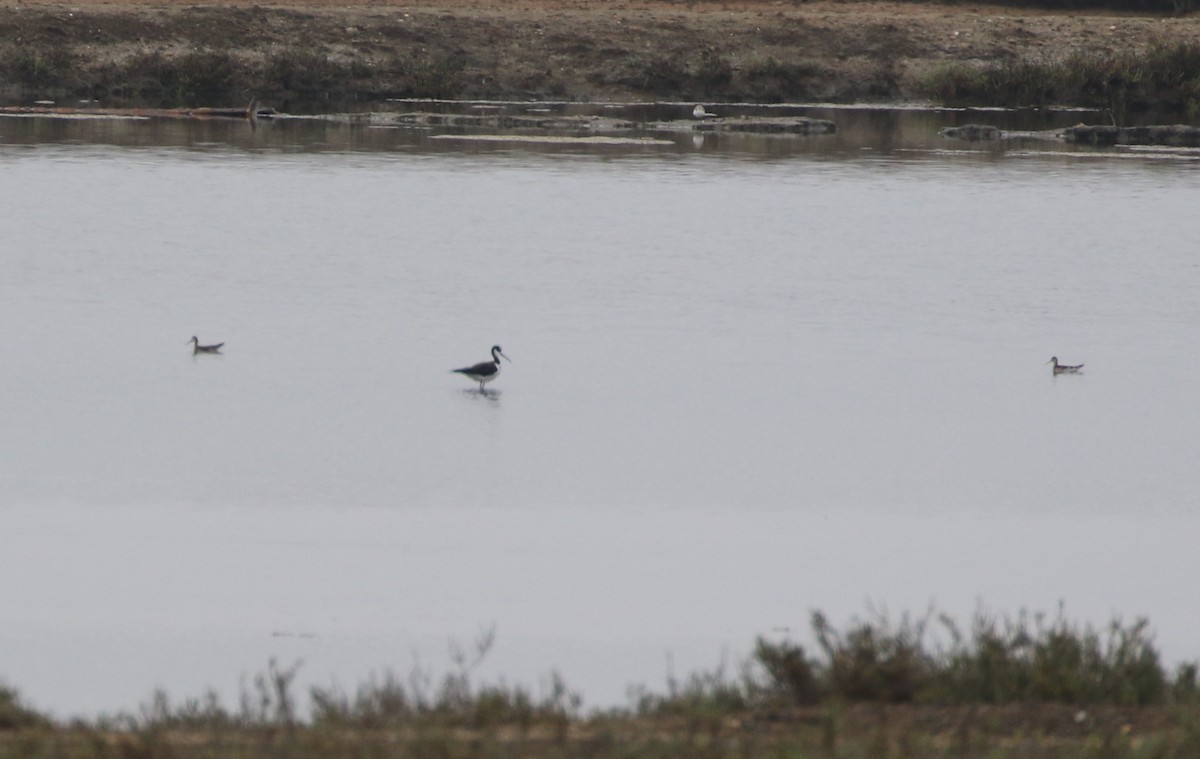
(322, 55)
(1031, 686)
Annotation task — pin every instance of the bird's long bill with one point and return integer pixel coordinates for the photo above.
(506, 358)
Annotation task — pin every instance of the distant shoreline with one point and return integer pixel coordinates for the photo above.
(320, 58)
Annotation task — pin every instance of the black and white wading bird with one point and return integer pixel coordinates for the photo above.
(487, 371)
(1058, 368)
(198, 348)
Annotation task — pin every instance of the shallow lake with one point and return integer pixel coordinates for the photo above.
(750, 378)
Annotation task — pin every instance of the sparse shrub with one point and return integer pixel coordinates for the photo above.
(430, 75)
(1027, 659)
(710, 72)
(990, 667)
(703, 75)
(1164, 79)
(15, 715)
(1023, 83)
(1002, 660)
(497, 705)
(393, 703)
(192, 79)
(376, 705)
(1185, 688)
(271, 701)
(882, 80)
(774, 80)
(191, 714)
(873, 661)
(1064, 666)
(790, 673)
(703, 694)
(653, 74)
(1130, 670)
(953, 83)
(303, 73)
(39, 66)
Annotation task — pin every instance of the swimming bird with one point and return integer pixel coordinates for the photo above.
(486, 371)
(198, 348)
(1063, 368)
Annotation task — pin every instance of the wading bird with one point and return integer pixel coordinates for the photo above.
(487, 371)
(198, 348)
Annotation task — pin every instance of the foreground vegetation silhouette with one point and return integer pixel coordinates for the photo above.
(1029, 685)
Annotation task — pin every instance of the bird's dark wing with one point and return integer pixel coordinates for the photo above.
(482, 370)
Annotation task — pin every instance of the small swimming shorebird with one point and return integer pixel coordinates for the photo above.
(1063, 368)
(487, 371)
(198, 348)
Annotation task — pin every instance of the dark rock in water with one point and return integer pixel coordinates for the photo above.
(797, 125)
(759, 125)
(1177, 135)
(490, 121)
(972, 132)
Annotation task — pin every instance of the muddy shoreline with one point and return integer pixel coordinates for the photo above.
(318, 57)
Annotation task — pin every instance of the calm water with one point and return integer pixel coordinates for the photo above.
(750, 378)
